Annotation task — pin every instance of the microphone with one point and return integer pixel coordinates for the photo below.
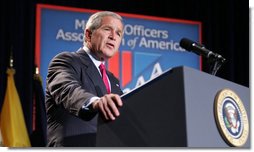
(199, 49)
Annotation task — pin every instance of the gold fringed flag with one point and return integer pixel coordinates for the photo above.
(13, 127)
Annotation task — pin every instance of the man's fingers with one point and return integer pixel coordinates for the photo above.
(113, 103)
(101, 107)
(109, 106)
(117, 100)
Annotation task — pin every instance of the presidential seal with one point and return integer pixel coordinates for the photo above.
(231, 118)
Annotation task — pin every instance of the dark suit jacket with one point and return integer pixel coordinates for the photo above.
(71, 81)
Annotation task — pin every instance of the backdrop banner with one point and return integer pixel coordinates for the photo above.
(150, 45)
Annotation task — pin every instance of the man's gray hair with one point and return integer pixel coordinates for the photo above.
(94, 20)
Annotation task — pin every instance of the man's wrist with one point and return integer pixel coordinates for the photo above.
(95, 104)
(89, 104)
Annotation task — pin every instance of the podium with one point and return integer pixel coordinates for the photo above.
(176, 109)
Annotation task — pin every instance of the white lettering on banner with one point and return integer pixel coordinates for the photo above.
(140, 81)
(140, 30)
(80, 24)
(156, 71)
(69, 36)
(147, 38)
(162, 45)
(126, 90)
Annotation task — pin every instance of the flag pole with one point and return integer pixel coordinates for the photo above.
(11, 58)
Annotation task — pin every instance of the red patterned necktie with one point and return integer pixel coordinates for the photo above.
(104, 76)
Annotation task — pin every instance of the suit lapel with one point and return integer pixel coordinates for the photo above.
(115, 87)
(92, 73)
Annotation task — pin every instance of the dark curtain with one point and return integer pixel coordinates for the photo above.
(225, 30)
(17, 36)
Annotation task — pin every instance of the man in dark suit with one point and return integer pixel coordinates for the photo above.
(78, 87)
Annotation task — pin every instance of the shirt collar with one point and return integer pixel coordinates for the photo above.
(96, 62)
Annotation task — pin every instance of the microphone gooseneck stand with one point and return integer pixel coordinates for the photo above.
(215, 61)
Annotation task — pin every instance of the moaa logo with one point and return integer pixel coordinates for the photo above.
(133, 69)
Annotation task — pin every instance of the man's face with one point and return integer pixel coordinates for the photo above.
(104, 42)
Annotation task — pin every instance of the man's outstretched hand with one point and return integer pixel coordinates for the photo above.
(108, 106)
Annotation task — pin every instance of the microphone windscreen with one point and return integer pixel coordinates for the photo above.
(186, 43)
